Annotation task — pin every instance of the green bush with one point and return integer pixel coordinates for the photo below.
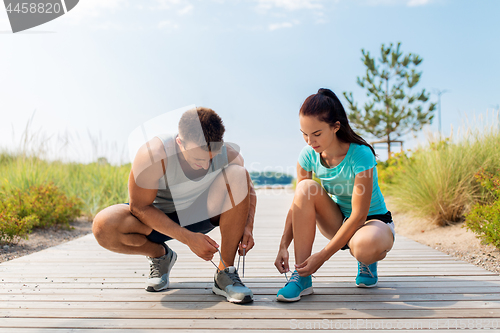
(98, 185)
(484, 218)
(12, 227)
(389, 169)
(38, 206)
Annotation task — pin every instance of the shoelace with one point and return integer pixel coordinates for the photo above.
(364, 269)
(237, 269)
(294, 278)
(154, 267)
(235, 278)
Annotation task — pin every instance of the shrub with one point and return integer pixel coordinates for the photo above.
(438, 183)
(484, 218)
(12, 227)
(388, 170)
(39, 206)
(97, 185)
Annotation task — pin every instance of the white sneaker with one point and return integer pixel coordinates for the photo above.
(227, 283)
(159, 270)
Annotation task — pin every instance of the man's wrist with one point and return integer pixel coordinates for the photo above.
(184, 236)
(283, 245)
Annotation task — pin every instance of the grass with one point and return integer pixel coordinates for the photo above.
(98, 185)
(437, 182)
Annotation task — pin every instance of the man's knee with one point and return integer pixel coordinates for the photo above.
(106, 225)
(101, 227)
(237, 179)
(237, 176)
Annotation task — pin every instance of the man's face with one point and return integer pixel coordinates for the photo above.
(196, 157)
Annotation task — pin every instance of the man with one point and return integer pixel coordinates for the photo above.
(181, 187)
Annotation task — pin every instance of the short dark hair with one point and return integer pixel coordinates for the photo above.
(211, 125)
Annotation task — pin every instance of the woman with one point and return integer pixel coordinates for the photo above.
(354, 216)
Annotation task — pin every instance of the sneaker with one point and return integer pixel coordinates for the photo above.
(159, 270)
(367, 275)
(227, 283)
(297, 286)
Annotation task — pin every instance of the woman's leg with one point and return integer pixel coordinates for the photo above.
(371, 242)
(312, 206)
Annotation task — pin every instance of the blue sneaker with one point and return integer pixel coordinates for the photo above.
(367, 275)
(297, 286)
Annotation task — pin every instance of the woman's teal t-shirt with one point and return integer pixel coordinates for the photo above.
(338, 181)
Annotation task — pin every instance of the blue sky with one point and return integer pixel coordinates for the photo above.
(106, 67)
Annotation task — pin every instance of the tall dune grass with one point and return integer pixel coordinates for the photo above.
(97, 184)
(438, 182)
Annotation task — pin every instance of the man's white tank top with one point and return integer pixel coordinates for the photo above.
(176, 191)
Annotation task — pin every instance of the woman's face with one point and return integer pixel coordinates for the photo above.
(317, 134)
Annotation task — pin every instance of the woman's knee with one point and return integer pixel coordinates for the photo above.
(371, 244)
(364, 246)
(307, 189)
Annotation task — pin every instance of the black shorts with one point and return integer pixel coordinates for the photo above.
(386, 218)
(204, 225)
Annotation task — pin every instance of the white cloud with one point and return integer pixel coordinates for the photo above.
(185, 10)
(277, 26)
(107, 26)
(168, 25)
(410, 3)
(4, 24)
(414, 3)
(95, 7)
(169, 4)
(289, 4)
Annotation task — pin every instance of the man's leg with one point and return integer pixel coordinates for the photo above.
(233, 207)
(119, 231)
(229, 195)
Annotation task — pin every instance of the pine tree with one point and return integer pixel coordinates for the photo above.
(393, 109)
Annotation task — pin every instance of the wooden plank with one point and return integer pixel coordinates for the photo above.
(280, 279)
(209, 297)
(422, 325)
(293, 324)
(259, 291)
(246, 314)
(312, 303)
(257, 284)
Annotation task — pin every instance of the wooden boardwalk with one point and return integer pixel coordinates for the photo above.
(80, 287)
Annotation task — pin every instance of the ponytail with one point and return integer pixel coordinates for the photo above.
(327, 107)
